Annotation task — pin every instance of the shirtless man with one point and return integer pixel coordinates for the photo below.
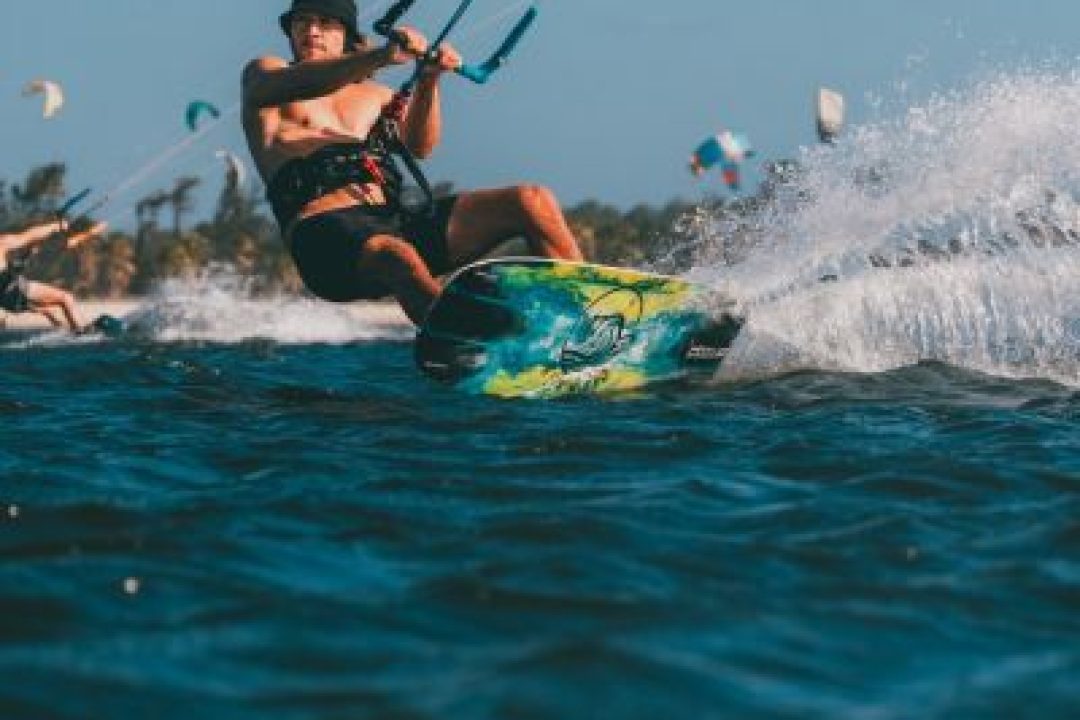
(20, 295)
(337, 197)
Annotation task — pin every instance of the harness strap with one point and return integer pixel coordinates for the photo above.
(301, 180)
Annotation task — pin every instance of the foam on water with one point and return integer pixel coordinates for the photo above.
(218, 306)
(951, 233)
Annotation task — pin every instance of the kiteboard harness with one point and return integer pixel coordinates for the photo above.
(13, 297)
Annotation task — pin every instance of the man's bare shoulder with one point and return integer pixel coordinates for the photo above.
(262, 65)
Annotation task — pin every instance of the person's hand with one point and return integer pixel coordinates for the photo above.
(446, 60)
(406, 45)
(82, 236)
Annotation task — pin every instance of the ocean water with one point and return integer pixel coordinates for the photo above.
(259, 508)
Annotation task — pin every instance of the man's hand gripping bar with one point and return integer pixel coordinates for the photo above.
(479, 73)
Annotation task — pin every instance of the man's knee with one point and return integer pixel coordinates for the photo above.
(393, 255)
(49, 297)
(535, 199)
(536, 205)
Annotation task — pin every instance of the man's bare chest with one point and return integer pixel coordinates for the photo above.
(347, 113)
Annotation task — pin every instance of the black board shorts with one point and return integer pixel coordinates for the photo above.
(13, 297)
(327, 247)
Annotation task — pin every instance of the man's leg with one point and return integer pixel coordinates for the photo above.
(480, 220)
(50, 315)
(397, 264)
(484, 218)
(44, 297)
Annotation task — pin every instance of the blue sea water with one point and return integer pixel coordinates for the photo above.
(261, 530)
(259, 508)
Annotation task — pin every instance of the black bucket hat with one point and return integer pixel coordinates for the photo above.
(343, 10)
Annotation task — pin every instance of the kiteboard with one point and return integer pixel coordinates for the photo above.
(540, 328)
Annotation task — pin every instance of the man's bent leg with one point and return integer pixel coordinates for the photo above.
(42, 296)
(397, 264)
(484, 218)
(50, 315)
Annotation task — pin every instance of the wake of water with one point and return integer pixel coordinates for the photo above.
(949, 234)
(218, 306)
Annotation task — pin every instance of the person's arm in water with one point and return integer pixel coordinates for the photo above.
(270, 81)
(422, 128)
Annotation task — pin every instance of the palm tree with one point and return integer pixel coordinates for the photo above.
(143, 216)
(43, 189)
(147, 211)
(181, 200)
(149, 207)
(144, 249)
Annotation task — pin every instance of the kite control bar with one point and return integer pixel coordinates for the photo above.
(64, 211)
(479, 73)
(386, 128)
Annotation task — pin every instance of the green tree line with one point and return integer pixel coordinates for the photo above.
(167, 243)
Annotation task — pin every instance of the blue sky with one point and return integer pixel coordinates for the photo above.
(604, 99)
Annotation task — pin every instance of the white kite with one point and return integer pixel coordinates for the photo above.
(54, 95)
(235, 170)
(830, 114)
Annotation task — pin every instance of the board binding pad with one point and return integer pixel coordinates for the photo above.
(533, 327)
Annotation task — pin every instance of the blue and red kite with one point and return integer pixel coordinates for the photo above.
(728, 150)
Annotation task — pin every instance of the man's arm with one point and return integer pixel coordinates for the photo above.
(422, 129)
(78, 238)
(30, 236)
(270, 81)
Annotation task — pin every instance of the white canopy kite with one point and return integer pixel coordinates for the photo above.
(830, 114)
(54, 96)
(234, 168)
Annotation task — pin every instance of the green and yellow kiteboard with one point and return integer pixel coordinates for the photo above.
(530, 327)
